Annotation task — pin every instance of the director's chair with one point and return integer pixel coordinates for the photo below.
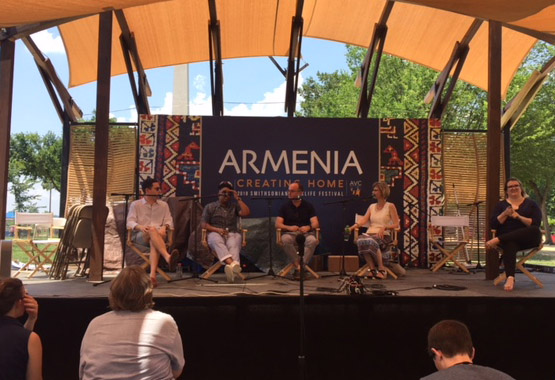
(218, 264)
(285, 271)
(40, 251)
(392, 246)
(526, 254)
(443, 234)
(144, 251)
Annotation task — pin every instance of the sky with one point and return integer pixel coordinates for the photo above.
(252, 87)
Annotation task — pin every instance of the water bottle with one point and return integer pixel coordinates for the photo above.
(179, 270)
(347, 233)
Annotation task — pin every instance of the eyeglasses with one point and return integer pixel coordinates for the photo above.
(512, 186)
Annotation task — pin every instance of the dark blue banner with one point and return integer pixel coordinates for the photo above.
(336, 160)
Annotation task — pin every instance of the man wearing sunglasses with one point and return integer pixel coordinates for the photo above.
(221, 220)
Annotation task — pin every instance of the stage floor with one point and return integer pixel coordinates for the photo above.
(417, 283)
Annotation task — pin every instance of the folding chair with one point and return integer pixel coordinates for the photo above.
(218, 264)
(76, 242)
(285, 271)
(40, 251)
(526, 254)
(144, 251)
(391, 246)
(443, 234)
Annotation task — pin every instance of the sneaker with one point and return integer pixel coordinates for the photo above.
(236, 269)
(229, 273)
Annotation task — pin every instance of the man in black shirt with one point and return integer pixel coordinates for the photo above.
(297, 216)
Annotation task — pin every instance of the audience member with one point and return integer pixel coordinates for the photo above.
(21, 348)
(132, 341)
(450, 346)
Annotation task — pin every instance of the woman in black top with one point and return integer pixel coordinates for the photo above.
(517, 220)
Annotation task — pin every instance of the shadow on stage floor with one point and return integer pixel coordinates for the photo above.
(251, 330)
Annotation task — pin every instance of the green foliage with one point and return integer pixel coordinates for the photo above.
(39, 158)
(20, 186)
(401, 87)
(533, 137)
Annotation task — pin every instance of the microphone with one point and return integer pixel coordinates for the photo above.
(300, 239)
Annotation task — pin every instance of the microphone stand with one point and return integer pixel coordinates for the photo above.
(269, 208)
(477, 205)
(300, 239)
(127, 196)
(343, 202)
(193, 226)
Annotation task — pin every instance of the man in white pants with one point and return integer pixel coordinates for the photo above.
(220, 219)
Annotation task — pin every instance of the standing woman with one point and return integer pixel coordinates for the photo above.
(517, 221)
(21, 348)
(383, 218)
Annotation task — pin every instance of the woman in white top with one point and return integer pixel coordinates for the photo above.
(131, 342)
(383, 218)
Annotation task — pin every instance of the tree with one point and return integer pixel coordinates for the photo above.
(401, 87)
(533, 137)
(19, 187)
(38, 157)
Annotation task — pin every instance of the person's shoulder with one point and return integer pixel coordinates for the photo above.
(530, 202)
(490, 373)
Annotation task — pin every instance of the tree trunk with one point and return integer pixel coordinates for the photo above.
(542, 197)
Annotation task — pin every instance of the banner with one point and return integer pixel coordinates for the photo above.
(336, 160)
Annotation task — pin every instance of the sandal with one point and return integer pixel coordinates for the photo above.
(509, 284)
(381, 274)
(154, 282)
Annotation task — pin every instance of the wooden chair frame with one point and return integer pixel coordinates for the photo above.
(40, 251)
(527, 255)
(146, 255)
(218, 264)
(393, 245)
(285, 271)
(437, 221)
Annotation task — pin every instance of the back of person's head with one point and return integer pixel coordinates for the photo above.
(451, 338)
(147, 184)
(131, 290)
(11, 291)
(384, 188)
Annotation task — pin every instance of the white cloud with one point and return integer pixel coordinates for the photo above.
(272, 103)
(166, 108)
(48, 43)
(42, 202)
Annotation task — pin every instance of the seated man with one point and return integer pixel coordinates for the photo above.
(149, 218)
(297, 216)
(220, 219)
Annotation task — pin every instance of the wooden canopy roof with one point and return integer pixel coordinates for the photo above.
(175, 32)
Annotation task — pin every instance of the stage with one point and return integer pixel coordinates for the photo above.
(251, 330)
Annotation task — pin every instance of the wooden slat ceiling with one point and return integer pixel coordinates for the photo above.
(175, 32)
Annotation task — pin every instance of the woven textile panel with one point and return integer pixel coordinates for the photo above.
(121, 152)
